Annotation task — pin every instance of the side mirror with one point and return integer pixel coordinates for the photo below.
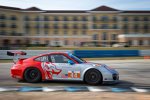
(71, 62)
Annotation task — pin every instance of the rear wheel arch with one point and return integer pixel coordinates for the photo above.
(32, 67)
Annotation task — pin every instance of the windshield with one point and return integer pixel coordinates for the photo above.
(76, 59)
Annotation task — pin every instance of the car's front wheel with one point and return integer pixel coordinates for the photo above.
(93, 77)
(32, 75)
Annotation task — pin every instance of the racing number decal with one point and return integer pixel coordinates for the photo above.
(73, 74)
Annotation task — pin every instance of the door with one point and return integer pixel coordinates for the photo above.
(65, 70)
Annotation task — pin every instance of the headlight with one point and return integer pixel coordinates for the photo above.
(96, 65)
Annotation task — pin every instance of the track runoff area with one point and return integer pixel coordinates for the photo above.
(134, 77)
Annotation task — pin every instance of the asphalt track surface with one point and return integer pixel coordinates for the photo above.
(133, 73)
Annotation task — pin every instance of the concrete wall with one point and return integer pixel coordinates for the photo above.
(3, 53)
(83, 53)
(144, 52)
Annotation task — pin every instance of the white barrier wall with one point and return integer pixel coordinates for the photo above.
(3, 53)
(144, 52)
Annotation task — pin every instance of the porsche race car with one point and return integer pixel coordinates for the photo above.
(60, 66)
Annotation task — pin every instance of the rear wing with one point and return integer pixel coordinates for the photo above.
(16, 55)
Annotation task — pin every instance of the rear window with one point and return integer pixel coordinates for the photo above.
(42, 59)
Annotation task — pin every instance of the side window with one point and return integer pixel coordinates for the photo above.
(58, 59)
(42, 59)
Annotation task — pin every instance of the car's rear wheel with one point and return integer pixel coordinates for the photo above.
(93, 77)
(32, 75)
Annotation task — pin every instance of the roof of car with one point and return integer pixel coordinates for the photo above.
(53, 53)
(44, 54)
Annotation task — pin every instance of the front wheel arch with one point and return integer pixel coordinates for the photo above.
(101, 81)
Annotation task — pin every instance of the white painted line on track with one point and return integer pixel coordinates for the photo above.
(3, 89)
(139, 90)
(46, 89)
(95, 89)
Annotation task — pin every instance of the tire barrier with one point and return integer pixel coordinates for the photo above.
(75, 89)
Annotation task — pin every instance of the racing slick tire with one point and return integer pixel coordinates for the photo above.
(32, 75)
(93, 77)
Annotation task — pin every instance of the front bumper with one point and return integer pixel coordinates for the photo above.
(113, 80)
(115, 76)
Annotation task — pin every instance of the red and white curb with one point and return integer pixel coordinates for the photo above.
(74, 89)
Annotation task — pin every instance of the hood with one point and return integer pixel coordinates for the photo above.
(94, 64)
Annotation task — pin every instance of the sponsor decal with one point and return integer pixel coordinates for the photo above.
(64, 75)
(73, 74)
(50, 69)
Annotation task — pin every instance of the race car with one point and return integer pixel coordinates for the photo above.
(60, 66)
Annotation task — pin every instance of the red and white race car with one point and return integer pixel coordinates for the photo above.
(60, 66)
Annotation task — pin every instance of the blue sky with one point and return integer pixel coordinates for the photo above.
(78, 4)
